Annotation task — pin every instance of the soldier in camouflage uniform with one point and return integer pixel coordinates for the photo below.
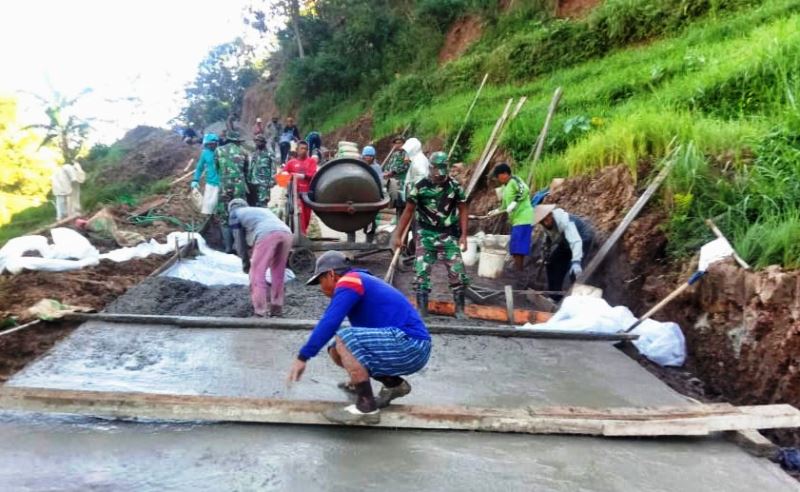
(233, 163)
(396, 169)
(439, 205)
(261, 173)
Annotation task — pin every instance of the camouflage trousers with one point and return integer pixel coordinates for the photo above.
(225, 197)
(260, 194)
(433, 246)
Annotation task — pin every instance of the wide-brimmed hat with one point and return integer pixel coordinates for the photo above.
(541, 211)
(330, 260)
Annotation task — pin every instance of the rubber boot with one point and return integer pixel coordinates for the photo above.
(422, 304)
(458, 297)
(227, 238)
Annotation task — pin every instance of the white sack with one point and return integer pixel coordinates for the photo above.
(662, 343)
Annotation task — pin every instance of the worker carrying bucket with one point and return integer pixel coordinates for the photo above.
(568, 238)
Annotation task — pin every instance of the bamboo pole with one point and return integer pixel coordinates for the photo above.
(466, 118)
(536, 152)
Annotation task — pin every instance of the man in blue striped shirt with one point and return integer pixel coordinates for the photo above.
(386, 338)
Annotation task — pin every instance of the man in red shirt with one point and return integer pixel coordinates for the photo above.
(303, 169)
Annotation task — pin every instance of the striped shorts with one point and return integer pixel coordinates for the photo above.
(386, 351)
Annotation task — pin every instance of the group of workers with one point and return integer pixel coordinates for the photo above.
(387, 337)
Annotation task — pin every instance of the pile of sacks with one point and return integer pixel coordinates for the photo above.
(348, 149)
(662, 343)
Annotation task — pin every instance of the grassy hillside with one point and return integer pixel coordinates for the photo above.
(711, 84)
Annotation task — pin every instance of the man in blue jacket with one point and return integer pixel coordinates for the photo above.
(386, 338)
(207, 163)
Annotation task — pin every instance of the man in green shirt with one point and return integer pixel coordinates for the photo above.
(517, 204)
(233, 163)
(261, 172)
(440, 207)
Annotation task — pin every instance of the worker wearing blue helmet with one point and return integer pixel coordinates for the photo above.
(208, 163)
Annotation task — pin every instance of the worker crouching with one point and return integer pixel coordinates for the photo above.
(439, 205)
(568, 238)
(386, 338)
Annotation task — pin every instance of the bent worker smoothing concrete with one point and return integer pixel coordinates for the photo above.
(45, 452)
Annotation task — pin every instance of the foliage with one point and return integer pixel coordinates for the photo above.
(64, 128)
(24, 168)
(218, 89)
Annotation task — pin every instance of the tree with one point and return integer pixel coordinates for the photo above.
(261, 10)
(222, 79)
(67, 131)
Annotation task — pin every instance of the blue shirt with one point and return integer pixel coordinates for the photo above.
(367, 302)
(207, 162)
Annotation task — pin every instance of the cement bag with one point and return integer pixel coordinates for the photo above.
(196, 200)
(68, 244)
(663, 343)
(419, 166)
(18, 246)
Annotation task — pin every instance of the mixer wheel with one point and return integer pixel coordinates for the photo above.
(302, 260)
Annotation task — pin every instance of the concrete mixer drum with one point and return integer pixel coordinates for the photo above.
(346, 194)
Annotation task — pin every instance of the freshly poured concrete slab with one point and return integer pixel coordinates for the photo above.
(481, 371)
(47, 453)
(70, 453)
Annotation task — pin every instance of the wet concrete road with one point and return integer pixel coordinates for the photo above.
(71, 453)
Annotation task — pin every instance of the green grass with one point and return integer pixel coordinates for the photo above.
(719, 93)
(27, 220)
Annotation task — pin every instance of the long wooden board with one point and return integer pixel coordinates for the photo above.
(646, 422)
(306, 324)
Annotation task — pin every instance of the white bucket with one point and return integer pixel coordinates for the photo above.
(471, 254)
(491, 263)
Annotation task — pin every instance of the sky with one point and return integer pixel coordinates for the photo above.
(143, 49)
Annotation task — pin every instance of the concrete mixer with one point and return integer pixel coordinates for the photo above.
(346, 194)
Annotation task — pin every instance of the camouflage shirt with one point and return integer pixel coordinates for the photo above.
(261, 168)
(398, 165)
(232, 161)
(437, 205)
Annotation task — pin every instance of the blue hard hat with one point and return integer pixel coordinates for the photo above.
(210, 138)
(369, 150)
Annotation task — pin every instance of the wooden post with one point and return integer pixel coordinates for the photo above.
(536, 152)
(509, 303)
(718, 233)
(466, 118)
(632, 213)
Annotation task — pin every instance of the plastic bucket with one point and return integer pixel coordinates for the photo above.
(283, 179)
(471, 254)
(491, 263)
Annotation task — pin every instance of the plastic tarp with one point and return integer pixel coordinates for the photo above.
(214, 267)
(69, 251)
(662, 343)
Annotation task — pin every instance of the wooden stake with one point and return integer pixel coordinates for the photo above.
(466, 118)
(711, 225)
(695, 420)
(623, 226)
(536, 152)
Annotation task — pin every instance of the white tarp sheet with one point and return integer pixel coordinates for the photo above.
(71, 251)
(662, 343)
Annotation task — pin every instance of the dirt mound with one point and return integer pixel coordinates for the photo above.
(93, 287)
(575, 8)
(259, 102)
(459, 37)
(745, 337)
(359, 131)
(149, 154)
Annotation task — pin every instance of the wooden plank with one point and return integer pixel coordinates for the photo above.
(300, 324)
(486, 313)
(711, 225)
(536, 152)
(754, 443)
(59, 223)
(147, 206)
(466, 118)
(626, 221)
(643, 422)
(480, 166)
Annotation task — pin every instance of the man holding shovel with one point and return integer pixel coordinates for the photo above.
(567, 240)
(517, 204)
(439, 205)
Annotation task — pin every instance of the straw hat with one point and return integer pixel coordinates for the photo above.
(541, 211)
